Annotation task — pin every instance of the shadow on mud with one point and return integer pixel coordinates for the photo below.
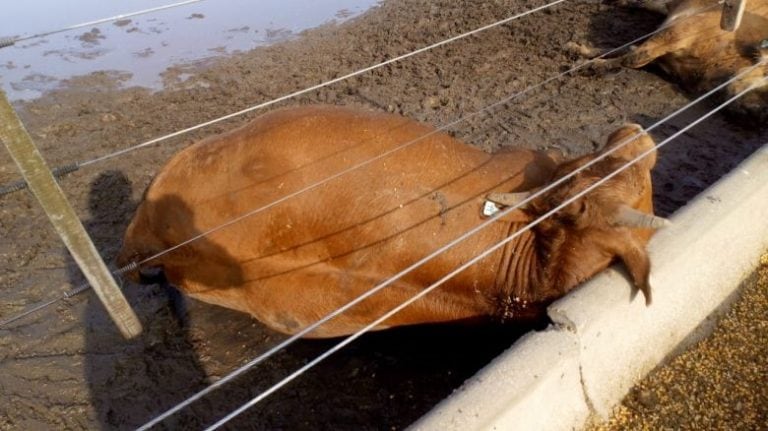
(695, 160)
(131, 380)
(617, 25)
(385, 380)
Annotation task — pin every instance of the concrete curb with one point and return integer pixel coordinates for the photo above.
(605, 338)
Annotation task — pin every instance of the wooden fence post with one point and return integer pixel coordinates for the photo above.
(64, 219)
(733, 10)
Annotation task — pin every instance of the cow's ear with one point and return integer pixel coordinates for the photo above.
(635, 258)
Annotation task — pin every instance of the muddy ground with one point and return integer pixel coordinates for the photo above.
(67, 367)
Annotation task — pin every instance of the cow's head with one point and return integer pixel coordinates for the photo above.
(613, 220)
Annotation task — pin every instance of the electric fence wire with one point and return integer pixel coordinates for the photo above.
(69, 168)
(133, 265)
(444, 127)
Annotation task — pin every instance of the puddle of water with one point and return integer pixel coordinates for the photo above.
(142, 47)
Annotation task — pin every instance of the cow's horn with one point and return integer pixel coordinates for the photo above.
(508, 199)
(630, 217)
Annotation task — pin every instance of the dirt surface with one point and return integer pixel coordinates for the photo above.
(721, 383)
(67, 367)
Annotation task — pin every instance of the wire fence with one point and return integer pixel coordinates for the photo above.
(389, 281)
(439, 129)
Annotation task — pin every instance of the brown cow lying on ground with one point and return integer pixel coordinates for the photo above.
(299, 260)
(700, 55)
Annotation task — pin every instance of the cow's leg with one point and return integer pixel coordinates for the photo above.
(636, 58)
(649, 51)
(583, 50)
(640, 56)
(602, 65)
(593, 64)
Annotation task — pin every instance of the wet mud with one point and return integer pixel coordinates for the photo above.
(68, 368)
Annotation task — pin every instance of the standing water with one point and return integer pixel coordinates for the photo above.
(138, 49)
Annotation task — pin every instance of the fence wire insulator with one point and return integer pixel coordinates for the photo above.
(13, 187)
(7, 41)
(76, 291)
(65, 170)
(127, 268)
(58, 173)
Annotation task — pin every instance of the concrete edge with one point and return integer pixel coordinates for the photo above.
(605, 339)
(519, 390)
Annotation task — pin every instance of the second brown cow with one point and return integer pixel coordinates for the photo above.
(296, 261)
(700, 55)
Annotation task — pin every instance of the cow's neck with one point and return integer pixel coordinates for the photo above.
(532, 273)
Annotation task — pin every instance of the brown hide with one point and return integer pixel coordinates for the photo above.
(296, 261)
(701, 55)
